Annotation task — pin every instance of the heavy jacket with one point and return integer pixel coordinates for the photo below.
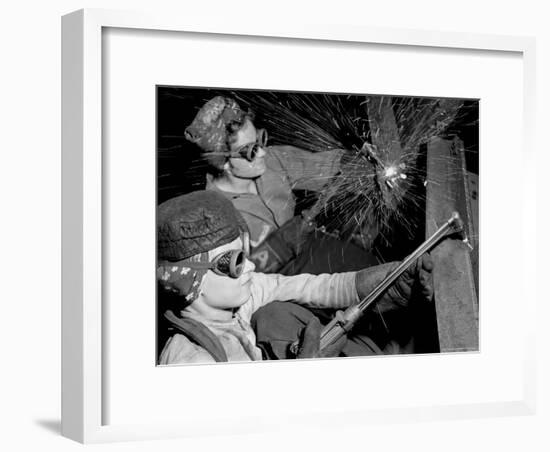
(237, 337)
(287, 168)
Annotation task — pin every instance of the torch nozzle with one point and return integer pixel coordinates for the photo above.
(456, 222)
(457, 225)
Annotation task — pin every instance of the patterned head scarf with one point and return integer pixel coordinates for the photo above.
(186, 281)
(212, 126)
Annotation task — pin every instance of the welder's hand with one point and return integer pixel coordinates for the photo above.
(425, 267)
(416, 279)
(310, 342)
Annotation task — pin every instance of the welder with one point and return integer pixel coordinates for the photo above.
(260, 179)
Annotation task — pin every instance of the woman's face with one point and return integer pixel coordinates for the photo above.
(241, 167)
(224, 292)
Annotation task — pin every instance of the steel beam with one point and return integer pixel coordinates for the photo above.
(454, 276)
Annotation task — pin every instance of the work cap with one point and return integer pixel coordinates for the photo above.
(211, 126)
(196, 223)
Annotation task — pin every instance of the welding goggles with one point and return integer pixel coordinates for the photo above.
(250, 150)
(231, 263)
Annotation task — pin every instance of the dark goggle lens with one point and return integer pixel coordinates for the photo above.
(250, 151)
(231, 263)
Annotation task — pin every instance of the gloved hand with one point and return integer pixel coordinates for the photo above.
(417, 278)
(310, 342)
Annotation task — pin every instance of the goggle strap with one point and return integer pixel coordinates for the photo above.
(197, 265)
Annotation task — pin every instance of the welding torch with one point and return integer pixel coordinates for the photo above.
(344, 321)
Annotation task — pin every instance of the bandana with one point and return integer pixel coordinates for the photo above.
(186, 281)
(209, 129)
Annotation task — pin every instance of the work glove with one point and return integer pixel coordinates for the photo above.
(310, 341)
(416, 280)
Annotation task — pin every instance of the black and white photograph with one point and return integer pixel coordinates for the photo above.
(294, 225)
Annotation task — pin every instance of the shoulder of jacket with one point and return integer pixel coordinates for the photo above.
(277, 159)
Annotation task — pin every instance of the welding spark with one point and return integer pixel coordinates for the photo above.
(392, 175)
(381, 138)
(378, 181)
(390, 172)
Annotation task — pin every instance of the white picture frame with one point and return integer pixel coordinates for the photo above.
(85, 390)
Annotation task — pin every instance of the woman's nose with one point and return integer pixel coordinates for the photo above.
(249, 266)
(261, 152)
